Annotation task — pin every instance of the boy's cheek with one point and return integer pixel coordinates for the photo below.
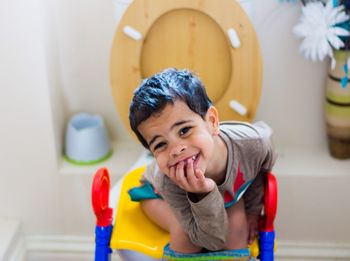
(166, 170)
(163, 168)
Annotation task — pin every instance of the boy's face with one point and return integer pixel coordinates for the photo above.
(177, 134)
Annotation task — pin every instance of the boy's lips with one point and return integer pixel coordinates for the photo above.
(193, 157)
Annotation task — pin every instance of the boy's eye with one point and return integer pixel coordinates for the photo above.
(159, 146)
(184, 130)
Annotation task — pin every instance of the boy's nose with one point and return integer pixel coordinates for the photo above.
(177, 150)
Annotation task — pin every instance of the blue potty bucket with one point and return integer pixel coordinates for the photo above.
(87, 140)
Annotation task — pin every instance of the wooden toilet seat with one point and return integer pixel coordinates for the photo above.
(194, 34)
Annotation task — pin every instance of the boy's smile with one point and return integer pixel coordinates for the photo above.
(177, 136)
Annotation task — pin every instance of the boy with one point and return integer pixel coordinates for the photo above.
(207, 177)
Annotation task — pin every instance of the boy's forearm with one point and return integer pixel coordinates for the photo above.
(204, 221)
(210, 224)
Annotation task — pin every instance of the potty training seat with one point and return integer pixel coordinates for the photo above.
(214, 39)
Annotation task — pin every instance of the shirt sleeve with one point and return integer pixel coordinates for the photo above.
(205, 221)
(151, 172)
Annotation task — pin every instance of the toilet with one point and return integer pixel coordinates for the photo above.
(214, 39)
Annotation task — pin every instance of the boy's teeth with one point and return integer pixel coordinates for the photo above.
(194, 157)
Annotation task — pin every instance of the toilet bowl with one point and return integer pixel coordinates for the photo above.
(214, 39)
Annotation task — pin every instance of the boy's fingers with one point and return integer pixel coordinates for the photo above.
(179, 170)
(199, 174)
(191, 177)
(180, 176)
(200, 178)
(172, 174)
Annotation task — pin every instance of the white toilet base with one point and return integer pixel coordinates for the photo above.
(128, 255)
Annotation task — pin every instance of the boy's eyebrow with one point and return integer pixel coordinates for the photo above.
(153, 140)
(172, 127)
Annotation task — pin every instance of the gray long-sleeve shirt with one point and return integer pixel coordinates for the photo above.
(250, 156)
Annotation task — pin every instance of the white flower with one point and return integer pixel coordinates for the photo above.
(318, 28)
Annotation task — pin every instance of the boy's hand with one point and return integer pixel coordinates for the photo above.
(190, 179)
(252, 221)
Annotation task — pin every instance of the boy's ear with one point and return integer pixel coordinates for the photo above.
(212, 118)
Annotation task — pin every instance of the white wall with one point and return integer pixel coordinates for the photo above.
(292, 97)
(28, 177)
(54, 62)
(83, 32)
(50, 51)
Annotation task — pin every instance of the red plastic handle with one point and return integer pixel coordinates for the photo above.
(100, 198)
(270, 203)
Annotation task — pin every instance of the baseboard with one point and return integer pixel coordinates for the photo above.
(60, 247)
(55, 247)
(296, 250)
(18, 250)
(12, 245)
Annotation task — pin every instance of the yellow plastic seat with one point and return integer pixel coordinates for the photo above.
(130, 221)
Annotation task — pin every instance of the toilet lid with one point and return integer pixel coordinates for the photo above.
(192, 34)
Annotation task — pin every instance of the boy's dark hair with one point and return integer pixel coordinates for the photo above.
(165, 87)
